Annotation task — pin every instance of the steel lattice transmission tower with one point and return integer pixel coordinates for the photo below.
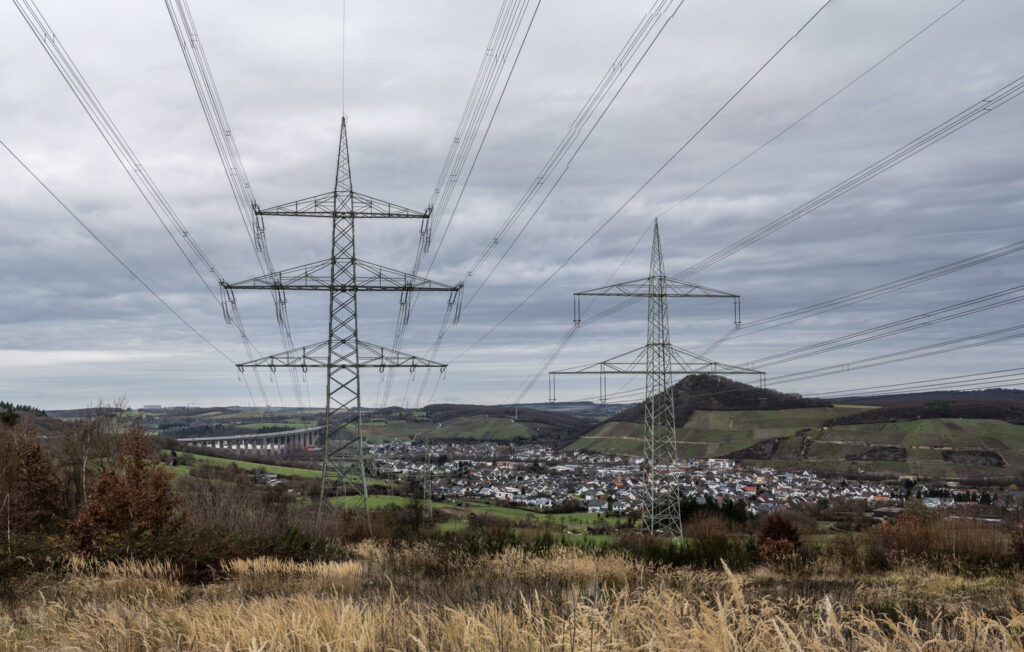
(658, 361)
(343, 354)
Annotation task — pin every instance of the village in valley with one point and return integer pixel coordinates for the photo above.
(542, 478)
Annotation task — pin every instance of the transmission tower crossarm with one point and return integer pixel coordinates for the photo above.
(672, 287)
(338, 203)
(634, 362)
(316, 355)
(370, 277)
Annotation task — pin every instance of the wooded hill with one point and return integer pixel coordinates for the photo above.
(707, 392)
(971, 439)
(553, 428)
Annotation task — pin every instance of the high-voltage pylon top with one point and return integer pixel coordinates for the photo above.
(659, 361)
(343, 354)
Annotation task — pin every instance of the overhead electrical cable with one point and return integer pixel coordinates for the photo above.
(980, 108)
(930, 318)
(808, 114)
(476, 155)
(527, 385)
(639, 395)
(1017, 381)
(137, 173)
(750, 154)
(984, 377)
(969, 382)
(114, 254)
(630, 56)
(489, 73)
(937, 348)
(607, 90)
(508, 31)
(792, 316)
(975, 381)
(628, 59)
(967, 116)
(216, 119)
(642, 186)
(656, 173)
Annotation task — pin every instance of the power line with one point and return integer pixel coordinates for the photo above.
(793, 316)
(582, 126)
(982, 377)
(565, 169)
(948, 346)
(628, 59)
(482, 91)
(956, 123)
(126, 157)
(220, 129)
(114, 254)
(987, 380)
(732, 167)
(642, 186)
(930, 318)
(490, 123)
(814, 110)
(947, 128)
(504, 36)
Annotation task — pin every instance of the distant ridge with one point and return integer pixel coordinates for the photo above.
(446, 411)
(997, 394)
(712, 392)
(972, 408)
(554, 428)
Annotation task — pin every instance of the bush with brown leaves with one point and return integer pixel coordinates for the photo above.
(779, 542)
(133, 498)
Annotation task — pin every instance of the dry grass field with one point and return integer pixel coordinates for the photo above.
(420, 597)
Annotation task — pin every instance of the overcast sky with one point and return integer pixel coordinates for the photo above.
(75, 328)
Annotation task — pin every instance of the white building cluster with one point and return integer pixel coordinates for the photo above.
(542, 478)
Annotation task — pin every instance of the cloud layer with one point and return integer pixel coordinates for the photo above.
(76, 328)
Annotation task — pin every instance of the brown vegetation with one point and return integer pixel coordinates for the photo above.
(28, 480)
(924, 537)
(133, 497)
(420, 597)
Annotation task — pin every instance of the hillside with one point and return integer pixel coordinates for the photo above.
(970, 439)
(28, 416)
(504, 422)
(705, 392)
(581, 409)
(994, 394)
(712, 433)
(1008, 411)
(439, 421)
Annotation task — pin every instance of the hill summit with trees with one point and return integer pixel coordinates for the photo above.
(713, 392)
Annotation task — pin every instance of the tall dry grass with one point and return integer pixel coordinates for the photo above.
(422, 598)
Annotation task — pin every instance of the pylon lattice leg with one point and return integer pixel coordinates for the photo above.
(661, 509)
(344, 452)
